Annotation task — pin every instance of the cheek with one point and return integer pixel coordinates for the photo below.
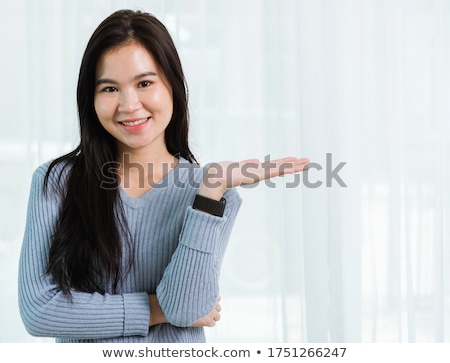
(102, 108)
(163, 98)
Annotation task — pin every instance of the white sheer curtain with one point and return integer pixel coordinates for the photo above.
(361, 82)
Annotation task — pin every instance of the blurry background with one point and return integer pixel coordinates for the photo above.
(367, 81)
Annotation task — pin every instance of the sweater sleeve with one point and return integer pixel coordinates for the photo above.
(45, 311)
(190, 285)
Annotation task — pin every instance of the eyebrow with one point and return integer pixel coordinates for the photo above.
(110, 81)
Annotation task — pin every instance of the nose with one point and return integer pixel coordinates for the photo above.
(129, 101)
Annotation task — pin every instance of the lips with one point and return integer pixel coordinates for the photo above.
(135, 122)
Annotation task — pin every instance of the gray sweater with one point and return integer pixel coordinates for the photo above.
(178, 253)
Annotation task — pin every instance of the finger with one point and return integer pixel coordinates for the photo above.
(251, 161)
(285, 163)
(277, 167)
(218, 306)
(290, 166)
(217, 317)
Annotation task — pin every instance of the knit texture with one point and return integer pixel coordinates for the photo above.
(177, 255)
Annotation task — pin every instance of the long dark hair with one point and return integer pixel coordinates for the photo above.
(86, 253)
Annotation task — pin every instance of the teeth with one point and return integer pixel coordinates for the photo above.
(134, 123)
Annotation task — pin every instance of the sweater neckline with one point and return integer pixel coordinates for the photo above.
(166, 182)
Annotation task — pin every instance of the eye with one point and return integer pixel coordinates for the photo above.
(109, 89)
(144, 84)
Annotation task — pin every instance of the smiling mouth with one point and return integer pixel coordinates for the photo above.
(134, 123)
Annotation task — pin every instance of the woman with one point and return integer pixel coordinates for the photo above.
(125, 234)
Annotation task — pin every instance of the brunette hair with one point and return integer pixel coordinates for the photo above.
(86, 252)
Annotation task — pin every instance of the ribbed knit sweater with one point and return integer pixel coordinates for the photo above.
(177, 255)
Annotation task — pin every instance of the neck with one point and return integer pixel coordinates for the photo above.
(141, 169)
(128, 160)
(151, 155)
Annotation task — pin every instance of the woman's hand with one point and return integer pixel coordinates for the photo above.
(227, 174)
(157, 316)
(211, 318)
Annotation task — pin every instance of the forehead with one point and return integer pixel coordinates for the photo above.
(126, 59)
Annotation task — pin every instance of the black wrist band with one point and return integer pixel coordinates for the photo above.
(211, 206)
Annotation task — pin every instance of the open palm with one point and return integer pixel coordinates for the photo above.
(229, 174)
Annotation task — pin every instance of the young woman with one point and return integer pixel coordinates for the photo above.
(125, 234)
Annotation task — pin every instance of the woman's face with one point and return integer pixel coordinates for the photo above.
(133, 99)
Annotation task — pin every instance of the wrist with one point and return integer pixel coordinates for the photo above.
(210, 206)
(214, 192)
(156, 314)
(213, 184)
